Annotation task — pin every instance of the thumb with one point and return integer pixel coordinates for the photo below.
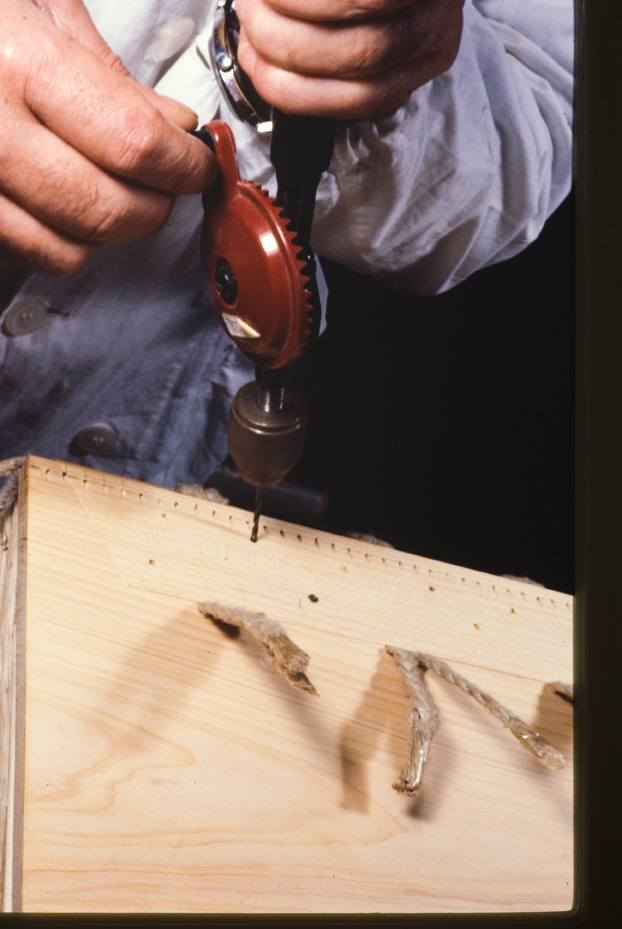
(72, 17)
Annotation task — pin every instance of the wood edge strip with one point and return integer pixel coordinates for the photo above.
(12, 676)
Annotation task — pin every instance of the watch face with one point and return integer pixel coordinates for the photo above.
(236, 86)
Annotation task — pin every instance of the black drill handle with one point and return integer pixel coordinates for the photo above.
(301, 146)
(301, 149)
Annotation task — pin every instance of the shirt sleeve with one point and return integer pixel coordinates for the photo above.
(467, 172)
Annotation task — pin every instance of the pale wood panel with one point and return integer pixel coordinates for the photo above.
(167, 768)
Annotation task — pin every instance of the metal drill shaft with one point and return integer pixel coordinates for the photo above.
(257, 513)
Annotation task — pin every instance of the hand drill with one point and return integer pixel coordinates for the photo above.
(268, 303)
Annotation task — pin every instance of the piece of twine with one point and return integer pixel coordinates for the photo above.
(423, 719)
(287, 658)
(424, 716)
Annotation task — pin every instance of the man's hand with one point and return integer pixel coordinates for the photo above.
(346, 58)
(87, 155)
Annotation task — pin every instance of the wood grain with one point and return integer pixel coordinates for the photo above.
(167, 768)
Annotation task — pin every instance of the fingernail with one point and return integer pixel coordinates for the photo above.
(181, 107)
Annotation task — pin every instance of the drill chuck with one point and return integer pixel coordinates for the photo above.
(267, 429)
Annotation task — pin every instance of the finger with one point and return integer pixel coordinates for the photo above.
(323, 51)
(37, 246)
(326, 10)
(375, 96)
(104, 115)
(172, 110)
(72, 17)
(354, 49)
(66, 191)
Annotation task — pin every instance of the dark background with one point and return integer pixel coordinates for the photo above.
(445, 425)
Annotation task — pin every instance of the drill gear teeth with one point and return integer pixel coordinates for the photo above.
(254, 273)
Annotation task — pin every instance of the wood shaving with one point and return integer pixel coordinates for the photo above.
(201, 493)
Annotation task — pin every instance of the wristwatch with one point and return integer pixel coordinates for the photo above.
(238, 91)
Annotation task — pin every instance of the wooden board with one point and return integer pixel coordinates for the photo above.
(163, 766)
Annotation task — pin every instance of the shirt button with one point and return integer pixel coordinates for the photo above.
(171, 39)
(98, 439)
(25, 316)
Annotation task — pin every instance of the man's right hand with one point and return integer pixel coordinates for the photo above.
(87, 155)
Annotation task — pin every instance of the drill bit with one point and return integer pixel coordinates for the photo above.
(257, 513)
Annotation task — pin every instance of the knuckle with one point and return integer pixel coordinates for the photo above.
(125, 217)
(99, 219)
(104, 226)
(370, 51)
(112, 61)
(136, 141)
